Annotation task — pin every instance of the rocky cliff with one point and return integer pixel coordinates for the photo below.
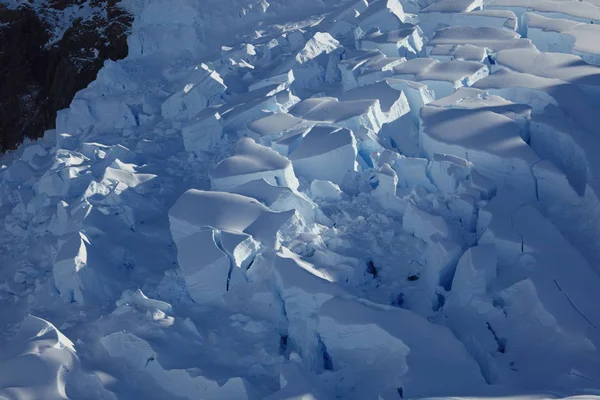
(49, 50)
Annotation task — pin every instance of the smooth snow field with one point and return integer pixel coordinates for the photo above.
(315, 199)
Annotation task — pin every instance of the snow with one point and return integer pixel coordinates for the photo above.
(361, 200)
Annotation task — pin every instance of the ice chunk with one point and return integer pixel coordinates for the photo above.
(39, 362)
(69, 182)
(392, 101)
(281, 131)
(249, 107)
(206, 268)
(563, 36)
(520, 88)
(303, 289)
(566, 9)
(476, 99)
(197, 210)
(556, 66)
(443, 78)
(60, 220)
(575, 215)
(295, 383)
(66, 141)
(394, 124)
(34, 155)
(385, 192)
(241, 249)
(308, 63)
(325, 146)
(325, 190)
(352, 65)
(72, 276)
(320, 43)
(275, 124)
(574, 119)
(290, 139)
(212, 258)
(84, 115)
(94, 151)
(138, 360)
(464, 208)
(491, 141)
(364, 117)
(406, 42)
(127, 174)
(345, 21)
(475, 273)
(376, 70)
(358, 335)
(484, 186)
(461, 52)
(251, 162)
(412, 68)
(416, 94)
(203, 132)
(446, 172)
(412, 172)
(282, 80)
(532, 254)
(423, 225)
(454, 6)
(387, 15)
(140, 299)
(205, 88)
(430, 19)
(278, 198)
(555, 137)
(491, 38)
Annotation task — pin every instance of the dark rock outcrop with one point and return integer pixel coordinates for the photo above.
(46, 58)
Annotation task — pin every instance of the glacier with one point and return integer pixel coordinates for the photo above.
(373, 199)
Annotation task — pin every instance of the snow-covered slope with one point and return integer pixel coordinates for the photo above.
(380, 199)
